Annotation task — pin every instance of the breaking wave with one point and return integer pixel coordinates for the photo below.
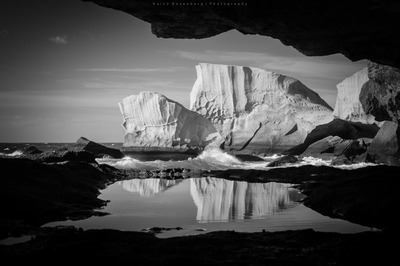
(13, 154)
(216, 159)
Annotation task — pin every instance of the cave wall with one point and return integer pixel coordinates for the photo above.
(367, 29)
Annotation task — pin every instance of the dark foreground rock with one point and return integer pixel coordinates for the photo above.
(34, 193)
(97, 149)
(302, 247)
(61, 156)
(31, 150)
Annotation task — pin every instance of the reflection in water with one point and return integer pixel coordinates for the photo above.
(221, 200)
(148, 187)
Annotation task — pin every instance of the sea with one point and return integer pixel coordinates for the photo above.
(198, 203)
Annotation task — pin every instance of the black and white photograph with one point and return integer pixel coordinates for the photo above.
(199, 132)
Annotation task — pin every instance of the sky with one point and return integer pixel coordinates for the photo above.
(65, 65)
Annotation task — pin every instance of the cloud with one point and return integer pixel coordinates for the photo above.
(59, 39)
(133, 70)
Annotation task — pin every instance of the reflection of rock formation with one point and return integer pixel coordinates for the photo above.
(148, 187)
(220, 199)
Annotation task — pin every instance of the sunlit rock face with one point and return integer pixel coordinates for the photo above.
(148, 187)
(256, 110)
(221, 199)
(152, 121)
(348, 106)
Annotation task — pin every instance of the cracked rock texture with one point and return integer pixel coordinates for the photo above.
(256, 110)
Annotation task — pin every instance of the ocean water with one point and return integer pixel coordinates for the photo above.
(15, 149)
(200, 204)
(215, 159)
(209, 159)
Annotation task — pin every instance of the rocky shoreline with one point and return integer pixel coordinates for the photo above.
(60, 185)
(42, 190)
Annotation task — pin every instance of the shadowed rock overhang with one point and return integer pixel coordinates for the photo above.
(367, 29)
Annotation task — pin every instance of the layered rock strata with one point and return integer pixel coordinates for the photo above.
(256, 110)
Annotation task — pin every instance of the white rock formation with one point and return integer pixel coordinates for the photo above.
(148, 187)
(348, 106)
(256, 110)
(153, 121)
(220, 199)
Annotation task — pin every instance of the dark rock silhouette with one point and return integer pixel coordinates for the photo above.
(37, 193)
(380, 95)
(62, 156)
(356, 29)
(97, 149)
(301, 247)
(31, 150)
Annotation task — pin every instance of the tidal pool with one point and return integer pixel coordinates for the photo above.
(207, 204)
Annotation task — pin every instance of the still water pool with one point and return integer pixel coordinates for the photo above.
(208, 204)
